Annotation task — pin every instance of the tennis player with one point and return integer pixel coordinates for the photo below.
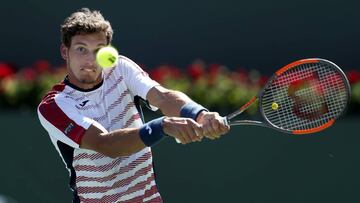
(94, 123)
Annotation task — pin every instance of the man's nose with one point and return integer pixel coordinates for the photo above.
(91, 58)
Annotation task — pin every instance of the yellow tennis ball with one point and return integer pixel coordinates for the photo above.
(107, 57)
(274, 106)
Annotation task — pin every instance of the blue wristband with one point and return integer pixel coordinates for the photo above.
(152, 132)
(191, 110)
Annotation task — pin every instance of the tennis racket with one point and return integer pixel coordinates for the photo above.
(306, 96)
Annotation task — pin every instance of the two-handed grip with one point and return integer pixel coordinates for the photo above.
(224, 120)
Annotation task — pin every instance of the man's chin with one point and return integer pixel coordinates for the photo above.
(88, 81)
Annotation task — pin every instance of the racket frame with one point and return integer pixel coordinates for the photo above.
(266, 122)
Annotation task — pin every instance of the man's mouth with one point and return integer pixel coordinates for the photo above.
(88, 69)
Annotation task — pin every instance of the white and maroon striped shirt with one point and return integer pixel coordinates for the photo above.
(66, 112)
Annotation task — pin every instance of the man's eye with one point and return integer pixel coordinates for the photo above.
(81, 49)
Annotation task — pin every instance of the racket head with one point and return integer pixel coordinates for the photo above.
(304, 97)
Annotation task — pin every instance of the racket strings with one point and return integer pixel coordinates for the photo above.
(315, 103)
(308, 96)
(281, 97)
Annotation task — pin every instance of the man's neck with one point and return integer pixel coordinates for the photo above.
(83, 86)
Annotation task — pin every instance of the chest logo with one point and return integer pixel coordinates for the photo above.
(84, 103)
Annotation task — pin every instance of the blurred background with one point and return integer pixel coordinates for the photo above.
(218, 52)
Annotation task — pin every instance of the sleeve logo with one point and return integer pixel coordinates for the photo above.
(69, 128)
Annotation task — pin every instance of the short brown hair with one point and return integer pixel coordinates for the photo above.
(85, 21)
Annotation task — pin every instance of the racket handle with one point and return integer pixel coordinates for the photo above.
(225, 120)
(178, 141)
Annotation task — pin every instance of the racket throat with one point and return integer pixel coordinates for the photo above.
(247, 122)
(241, 109)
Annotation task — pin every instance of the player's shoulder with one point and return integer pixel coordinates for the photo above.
(55, 90)
(124, 68)
(125, 62)
(56, 93)
(121, 65)
(122, 57)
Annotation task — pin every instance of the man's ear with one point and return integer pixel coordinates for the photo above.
(64, 51)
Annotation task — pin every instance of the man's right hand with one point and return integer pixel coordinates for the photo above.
(184, 130)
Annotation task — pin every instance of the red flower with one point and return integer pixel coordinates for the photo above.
(195, 71)
(28, 73)
(175, 72)
(6, 70)
(241, 75)
(161, 73)
(156, 75)
(353, 76)
(42, 66)
(263, 80)
(214, 70)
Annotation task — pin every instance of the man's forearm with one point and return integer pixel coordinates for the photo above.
(168, 101)
(121, 142)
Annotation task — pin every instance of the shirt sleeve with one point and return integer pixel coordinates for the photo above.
(137, 80)
(63, 122)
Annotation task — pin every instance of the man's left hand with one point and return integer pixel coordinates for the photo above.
(212, 124)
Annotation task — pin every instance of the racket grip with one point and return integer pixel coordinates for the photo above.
(225, 121)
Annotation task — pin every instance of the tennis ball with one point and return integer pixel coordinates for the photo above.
(274, 106)
(107, 57)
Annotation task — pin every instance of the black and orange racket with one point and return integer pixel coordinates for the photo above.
(304, 97)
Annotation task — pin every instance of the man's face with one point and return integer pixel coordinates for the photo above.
(81, 59)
